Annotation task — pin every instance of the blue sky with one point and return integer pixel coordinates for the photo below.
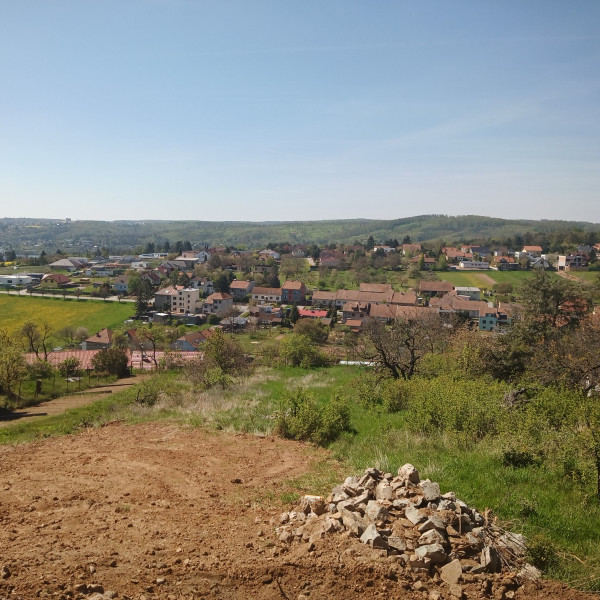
(280, 110)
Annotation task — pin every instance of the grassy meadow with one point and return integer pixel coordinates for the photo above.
(59, 313)
(483, 279)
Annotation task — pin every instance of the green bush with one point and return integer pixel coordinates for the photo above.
(471, 407)
(301, 417)
(373, 393)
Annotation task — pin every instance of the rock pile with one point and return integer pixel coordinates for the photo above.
(429, 532)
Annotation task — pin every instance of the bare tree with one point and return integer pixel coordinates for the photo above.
(37, 338)
(396, 349)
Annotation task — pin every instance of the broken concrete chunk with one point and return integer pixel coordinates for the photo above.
(408, 472)
(434, 552)
(490, 559)
(384, 491)
(452, 572)
(414, 515)
(376, 512)
(431, 490)
(372, 538)
(432, 522)
(396, 543)
(419, 563)
(433, 536)
(529, 573)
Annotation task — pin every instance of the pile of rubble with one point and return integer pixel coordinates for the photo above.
(430, 532)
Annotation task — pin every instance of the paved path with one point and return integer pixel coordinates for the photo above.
(73, 296)
(64, 403)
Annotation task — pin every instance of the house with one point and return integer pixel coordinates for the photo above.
(263, 295)
(453, 255)
(354, 324)
(183, 302)
(471, 293)
(428, 263)
(267, 315)
(121, 284)
(331, 259)
(505, 263)
(217, 304)
(355, 310)
(293, 292)
(163, 298)
(73, 263)
(240, 289)
(384, 249)
(203, 284)
(533, 251)
(473, 264)
(408, 249)
(577, 261)
(100, 341)
(435, 288)
(539, 263)
(311, 313)
(322, 298)
(57, 279)
(403, 299)
(189, 262)
(191, 342)
(266, 254)
(375, 288)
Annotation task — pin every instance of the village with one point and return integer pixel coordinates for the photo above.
(235, 290)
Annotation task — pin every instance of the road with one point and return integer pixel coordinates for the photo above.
(82, 297)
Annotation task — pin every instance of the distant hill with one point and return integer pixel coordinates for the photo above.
(79, 236)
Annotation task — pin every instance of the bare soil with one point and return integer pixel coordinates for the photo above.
(156, 511)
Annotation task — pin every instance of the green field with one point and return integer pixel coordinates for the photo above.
(59, 313)
(587, 276)
(483, 279)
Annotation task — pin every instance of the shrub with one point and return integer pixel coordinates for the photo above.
(301, 417)
(542, 553)
(298, 351)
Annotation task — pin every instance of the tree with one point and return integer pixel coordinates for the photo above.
(67, 335)
(81, 334)
(225, 353)
(222, 358)
(221, 282)
(13, 366)
(397, 349)
(571, 359)
(112, 360)
(313, 329)
(151, 339)
(550, 303)
(370, 243)
(294, 314)
(37, 338)
(69, 367)
(184, 279)
(297, 350)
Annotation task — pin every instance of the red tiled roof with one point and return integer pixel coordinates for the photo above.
(312, 313)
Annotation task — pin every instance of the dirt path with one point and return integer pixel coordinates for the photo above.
(159, 512)
(64, 403)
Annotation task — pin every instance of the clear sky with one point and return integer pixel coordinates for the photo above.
(283, 110)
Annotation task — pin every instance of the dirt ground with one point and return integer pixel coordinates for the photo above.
(155, 511)
(64, 403)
